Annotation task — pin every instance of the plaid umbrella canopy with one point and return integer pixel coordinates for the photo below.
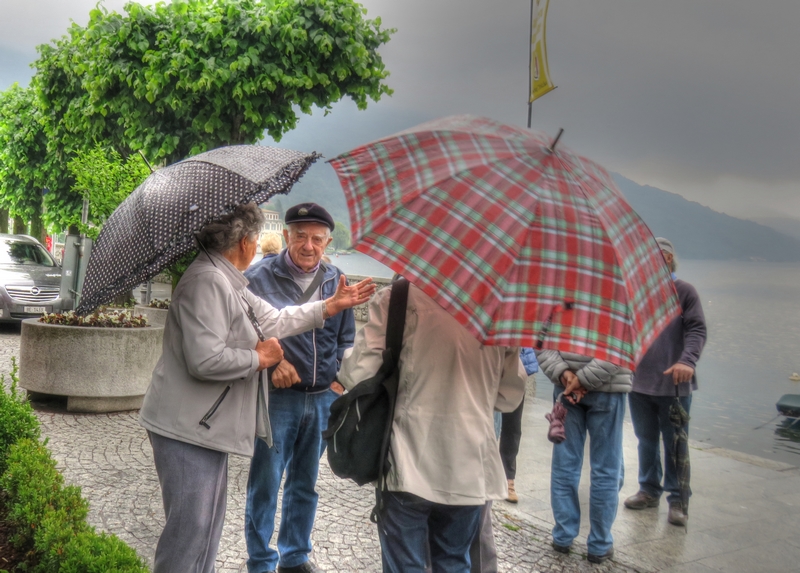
(522, 243)
(155, 226)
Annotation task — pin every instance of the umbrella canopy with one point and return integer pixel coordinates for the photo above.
(155, 226)
(523, 244)
(679, 419)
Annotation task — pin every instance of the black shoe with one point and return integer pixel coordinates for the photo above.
(601, 558)
(307, 567)
(565, 549)
(676, 515)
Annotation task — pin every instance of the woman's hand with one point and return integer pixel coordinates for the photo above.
(269, 353)
(349, 296)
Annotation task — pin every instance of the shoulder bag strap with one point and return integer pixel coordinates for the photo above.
(309, 292)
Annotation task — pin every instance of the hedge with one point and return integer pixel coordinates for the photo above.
(49, 518)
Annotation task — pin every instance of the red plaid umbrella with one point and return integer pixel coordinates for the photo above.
(524, 245)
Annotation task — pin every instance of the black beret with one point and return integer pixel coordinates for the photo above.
(309, 213)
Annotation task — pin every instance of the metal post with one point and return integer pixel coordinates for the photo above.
(530, 63)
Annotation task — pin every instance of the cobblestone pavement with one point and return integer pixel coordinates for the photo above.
(109, 456)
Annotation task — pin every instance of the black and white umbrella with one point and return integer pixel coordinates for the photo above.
(155, 226)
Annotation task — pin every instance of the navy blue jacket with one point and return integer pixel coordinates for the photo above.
(315, 354)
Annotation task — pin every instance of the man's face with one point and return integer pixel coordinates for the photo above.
(668, 257)
(306, 243)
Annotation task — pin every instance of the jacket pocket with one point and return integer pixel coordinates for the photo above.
(214, 407)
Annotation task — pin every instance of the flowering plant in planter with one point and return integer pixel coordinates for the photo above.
(159, 303)
(101, 318)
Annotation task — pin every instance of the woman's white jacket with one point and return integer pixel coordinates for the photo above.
(208, 370)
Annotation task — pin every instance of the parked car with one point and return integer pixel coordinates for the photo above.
(30, 279)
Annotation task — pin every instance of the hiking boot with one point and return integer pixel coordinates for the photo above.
(600, 558)
(512, 492)
(642, 500)
(676, 515)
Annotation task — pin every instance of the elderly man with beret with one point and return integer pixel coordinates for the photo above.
(302, 390)
(669, 362)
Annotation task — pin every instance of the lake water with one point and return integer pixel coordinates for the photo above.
(753, 315)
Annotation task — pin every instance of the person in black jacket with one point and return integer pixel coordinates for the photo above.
(670, 361)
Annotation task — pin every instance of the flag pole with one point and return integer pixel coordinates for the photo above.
(530, 63)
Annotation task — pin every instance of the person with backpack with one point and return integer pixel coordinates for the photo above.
(444, 460)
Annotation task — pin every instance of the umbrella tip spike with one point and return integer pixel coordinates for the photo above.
(552, 147)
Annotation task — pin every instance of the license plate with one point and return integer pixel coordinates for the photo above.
(35, 309)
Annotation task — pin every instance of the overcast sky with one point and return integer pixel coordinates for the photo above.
(697, 97)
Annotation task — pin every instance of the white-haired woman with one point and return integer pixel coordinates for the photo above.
(202, 402)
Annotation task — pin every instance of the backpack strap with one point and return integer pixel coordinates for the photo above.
(395, 325)
(398, 301)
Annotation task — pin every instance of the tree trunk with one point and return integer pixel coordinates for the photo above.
(4, 221)
(37, 227)
(20, 228)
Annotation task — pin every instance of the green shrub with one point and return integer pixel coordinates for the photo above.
(49, 517)
(17, 420)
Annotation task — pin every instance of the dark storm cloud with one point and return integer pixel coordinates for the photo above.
(685, 93)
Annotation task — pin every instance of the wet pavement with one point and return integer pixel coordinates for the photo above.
(743, 515)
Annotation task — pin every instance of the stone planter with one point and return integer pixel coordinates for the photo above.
(155, 316)
(98, 369)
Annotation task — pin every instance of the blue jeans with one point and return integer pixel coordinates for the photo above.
(650, 417)
(297, 420)
(601, 415)
(409, 527)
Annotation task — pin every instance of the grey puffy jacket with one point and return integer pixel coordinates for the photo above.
(594, 375)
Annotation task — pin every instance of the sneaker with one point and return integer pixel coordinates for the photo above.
(642, 500)
(512, 492)
(676, 515)
(307, 567)
(601, 558)
(565, 549)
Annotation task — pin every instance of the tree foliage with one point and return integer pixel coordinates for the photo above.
(106, 179)
(177, 79)
(23, 149)
(341, 237)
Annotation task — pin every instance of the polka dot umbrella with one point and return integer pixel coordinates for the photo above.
(155, 226)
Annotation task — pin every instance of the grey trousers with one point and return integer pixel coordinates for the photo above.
(194, 484)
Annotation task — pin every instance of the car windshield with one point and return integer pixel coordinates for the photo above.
(22, 253)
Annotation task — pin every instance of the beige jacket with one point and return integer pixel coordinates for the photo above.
(209, 344)
(443, 445)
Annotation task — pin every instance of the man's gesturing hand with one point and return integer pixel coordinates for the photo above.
(349, 296)
(269, 353)
(285, 375)
(680, 372)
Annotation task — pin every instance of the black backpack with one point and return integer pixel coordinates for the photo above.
(360, 423)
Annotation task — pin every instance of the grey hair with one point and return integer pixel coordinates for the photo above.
(224, 234)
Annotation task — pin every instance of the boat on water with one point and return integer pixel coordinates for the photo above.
(795, 377)
(789, 405)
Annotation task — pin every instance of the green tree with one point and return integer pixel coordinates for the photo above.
(23, 151)
(106, 179)
(341, 237)
(179, 78)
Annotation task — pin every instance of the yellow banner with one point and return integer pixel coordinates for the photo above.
(540, 72)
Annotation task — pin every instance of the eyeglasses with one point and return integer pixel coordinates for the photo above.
(301, 237)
